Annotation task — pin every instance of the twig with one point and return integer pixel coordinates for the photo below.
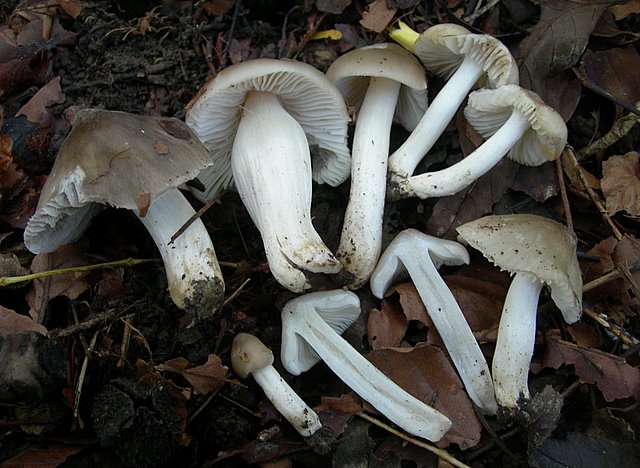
(615, 329)
(480, 11)
(82, 326)
(620, 128)
(126, 338)
(592, 195)
(8, 280)
(235, 293)
(443, 454)
(610, 276)
(563, 194)
(195, 216)
(83, 372)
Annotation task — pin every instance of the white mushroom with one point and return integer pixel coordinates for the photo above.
(516, 122)
(249, 355)
(380, 81)
(537, 251)
(311, 327)
(421, 255)
(257, 119)
(117, 159)
(464, 60)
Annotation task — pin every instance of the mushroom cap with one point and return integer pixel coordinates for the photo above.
(338, 308)
(443, 47)
(111, 158)
(351, 72)
(532, 244)
(304, 92)
(249, 354)
(488, 109)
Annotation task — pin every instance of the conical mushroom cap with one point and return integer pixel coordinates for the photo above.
(488, 109)
(304, 92)
(109, 159)
(535, 245)
(351, 72)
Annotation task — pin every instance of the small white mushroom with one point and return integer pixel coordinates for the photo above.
(258, 119)
(538, 251)
(249, 355)
(117, 159)
(421, 255)
(311, 327)
(381, 81)
(516, 122)
(464, 60)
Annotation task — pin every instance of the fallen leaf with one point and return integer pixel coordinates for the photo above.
(218, 7)
(377, 16)
(72, 8)
(623, 10)
(621, 183)
(472, 202)
(613, 376)
(335, 412)
(68, 284)
(335, 7)
(426, 373)
(37, 108)
(44, 454)
(612, 70)
(584, 335)
(12, 322)
(558, 40)
(540, 183)
(207, 378)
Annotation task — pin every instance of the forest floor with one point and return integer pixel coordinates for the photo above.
(101, 368)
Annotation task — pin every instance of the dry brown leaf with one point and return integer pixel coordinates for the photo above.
(621, 183)
(218, 7)
(614, 377)
(427, 374)
(622, 10)
(614, 71)
(377, 16)
(72, 8)
(556, 43)
(37, 108)
(540, 183)
(334, 413)
(584, 335)
(207, 378)
(12, 322)
(68, 284)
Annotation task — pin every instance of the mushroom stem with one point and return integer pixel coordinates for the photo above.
(193, 275)
(361, 238)
(272, 171)
(286, 401)
(403, 35)
(411, 414)
(516, 338)
(405, 159)
(454, 178)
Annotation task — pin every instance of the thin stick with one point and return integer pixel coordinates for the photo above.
(563, 195)
(443, 454)
(126, 339)
(594, 197)
(235, 293)
(195, 216)
(620, 128)
(615, 329)
(607, 277)
(8, 280)
(83, 372)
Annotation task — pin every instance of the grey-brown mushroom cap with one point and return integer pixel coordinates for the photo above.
(443, 47)
(249, 354)
(111, 158)
(536, 245)
(304, 92)
(351, 72)
(488, 109)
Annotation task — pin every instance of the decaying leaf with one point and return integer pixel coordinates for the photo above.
(207, 378)
(218, 7)
(426, 373)
(613, 376)
(621, 183)
(377, 16)
(334, 413)
(12, 322)
(37, 108)
(68, 284)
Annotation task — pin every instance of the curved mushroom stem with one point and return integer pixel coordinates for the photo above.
(421, 255)
(364, 378)
(193, 274)
(361, 238)
(516, 338)
(405, 159)
(454, 178)
(286, 401)
(271, 167)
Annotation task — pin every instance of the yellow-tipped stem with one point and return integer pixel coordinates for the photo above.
(403, 35)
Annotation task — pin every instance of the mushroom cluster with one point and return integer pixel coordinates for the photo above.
(255, 127)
